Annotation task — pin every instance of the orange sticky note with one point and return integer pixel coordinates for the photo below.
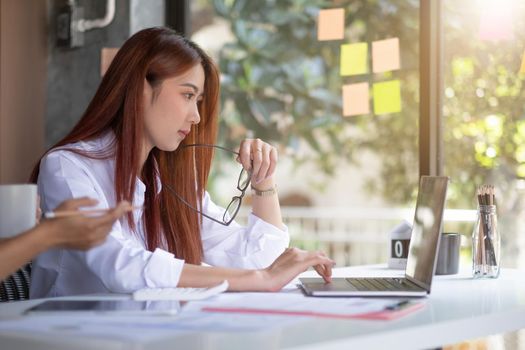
(387, 97)
(355, 99)
(106, 57)
(354, 59)
(331, 24)
(385, 55)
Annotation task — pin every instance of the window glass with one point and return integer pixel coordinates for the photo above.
(483, 111)
(334, 86)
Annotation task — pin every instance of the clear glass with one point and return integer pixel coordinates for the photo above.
(486, 244)
(344, 181)
(483, 124)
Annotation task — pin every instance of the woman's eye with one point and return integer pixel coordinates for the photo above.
(189, 96)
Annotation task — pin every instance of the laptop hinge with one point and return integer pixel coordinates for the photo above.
(418, 283)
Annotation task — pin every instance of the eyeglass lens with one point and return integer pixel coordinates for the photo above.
(244, 180)
(232, 209)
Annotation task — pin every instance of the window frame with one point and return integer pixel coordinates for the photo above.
(430, 87)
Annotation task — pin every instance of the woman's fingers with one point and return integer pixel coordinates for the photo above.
(245, 155)
(263, 155)
(273, 161)
(322, 264)
(325, 271)
(258, 157)
(322, 270)
(292, 262)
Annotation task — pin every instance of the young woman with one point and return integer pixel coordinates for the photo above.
(73, 232)
(160, 95)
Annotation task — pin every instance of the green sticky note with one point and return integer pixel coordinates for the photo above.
(387, 97)
(354, 59)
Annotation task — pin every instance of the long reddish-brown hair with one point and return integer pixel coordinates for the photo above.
(153, 54)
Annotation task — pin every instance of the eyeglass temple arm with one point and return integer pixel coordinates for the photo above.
(195, 209)
(209, 146)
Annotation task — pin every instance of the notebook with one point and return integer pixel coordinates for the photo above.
(422, 253)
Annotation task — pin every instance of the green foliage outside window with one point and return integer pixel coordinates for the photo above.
(283, 84)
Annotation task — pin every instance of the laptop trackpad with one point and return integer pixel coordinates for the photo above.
(318, 284)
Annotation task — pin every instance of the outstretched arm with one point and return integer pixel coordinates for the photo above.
(284, 269)
(76, 232)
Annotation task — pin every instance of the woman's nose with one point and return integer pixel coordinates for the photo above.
(195, 117)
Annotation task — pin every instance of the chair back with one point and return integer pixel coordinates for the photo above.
(16, 286)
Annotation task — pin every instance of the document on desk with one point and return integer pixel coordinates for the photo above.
(299, 305)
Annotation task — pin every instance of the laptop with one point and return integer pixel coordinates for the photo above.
(422, 253)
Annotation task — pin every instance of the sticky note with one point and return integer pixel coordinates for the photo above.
(522, 69)
(106, 57)
(331, 24)
(385, 55)
(354, 59)
(496, 20)
(387, 97)
(355, 99)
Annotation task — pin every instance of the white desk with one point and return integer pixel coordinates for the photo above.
(459, 308)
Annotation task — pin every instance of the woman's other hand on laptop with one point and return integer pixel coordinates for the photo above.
(291, 263)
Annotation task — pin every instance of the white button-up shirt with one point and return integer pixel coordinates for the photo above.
(122, 264)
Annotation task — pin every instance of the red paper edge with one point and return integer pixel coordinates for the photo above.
(377, 315)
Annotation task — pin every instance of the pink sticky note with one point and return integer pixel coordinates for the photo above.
(355, 99)
(496, 21)
(385, 55)
(331, 24)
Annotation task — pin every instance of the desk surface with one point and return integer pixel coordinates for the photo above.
(459, 308)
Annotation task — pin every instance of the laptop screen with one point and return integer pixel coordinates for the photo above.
(426, 229)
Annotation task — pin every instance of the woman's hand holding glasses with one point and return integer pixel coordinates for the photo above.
(259, 158)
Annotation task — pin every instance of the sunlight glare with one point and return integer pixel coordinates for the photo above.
(496, 19)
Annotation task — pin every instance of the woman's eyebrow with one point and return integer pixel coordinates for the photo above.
(190, 85)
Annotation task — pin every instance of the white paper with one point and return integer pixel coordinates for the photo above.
(190, 318)
(146, 327)
(294, 302)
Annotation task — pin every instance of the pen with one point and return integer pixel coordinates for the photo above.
(398, 305)
(66, 213)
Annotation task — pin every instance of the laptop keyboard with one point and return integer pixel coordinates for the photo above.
(383, 284)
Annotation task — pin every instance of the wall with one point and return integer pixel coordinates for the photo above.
(22, 87)
(74, 74)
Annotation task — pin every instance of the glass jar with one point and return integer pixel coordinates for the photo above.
(486, 244)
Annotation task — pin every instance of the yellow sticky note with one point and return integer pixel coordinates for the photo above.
(387, 97)
(385, 55)
(355, 99)
(354, 59)
(331, 24)
(522, 69)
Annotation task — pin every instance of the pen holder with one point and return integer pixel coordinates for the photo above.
(486, 243)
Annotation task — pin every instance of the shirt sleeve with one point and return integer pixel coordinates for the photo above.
(121, 263)
(254, 246)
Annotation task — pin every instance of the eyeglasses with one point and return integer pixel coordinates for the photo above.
(235, 204)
